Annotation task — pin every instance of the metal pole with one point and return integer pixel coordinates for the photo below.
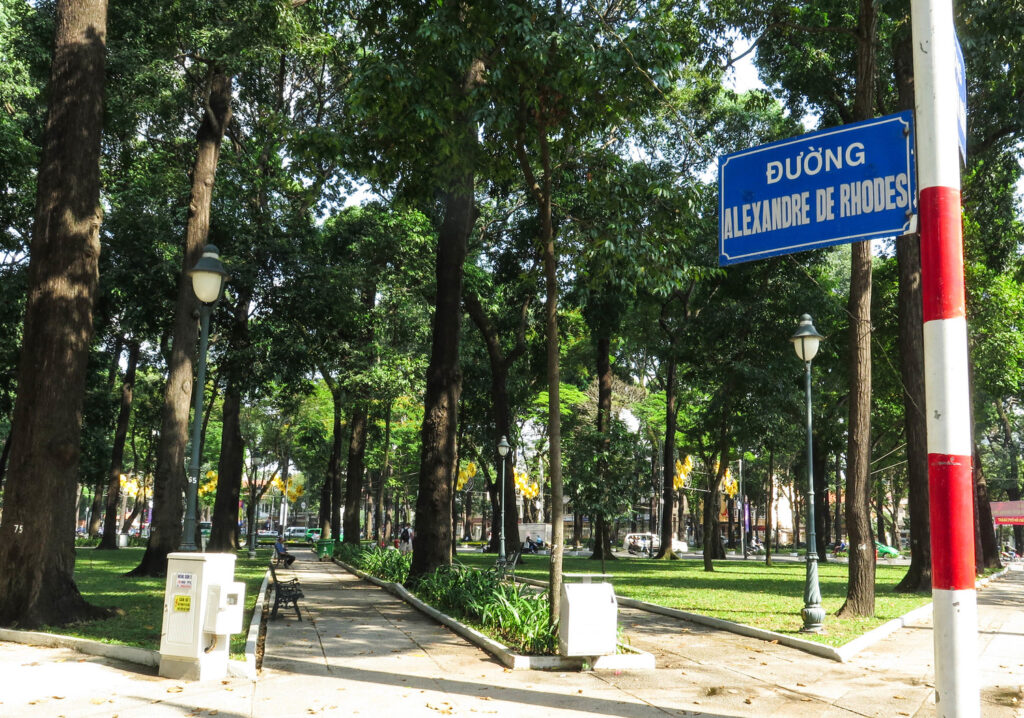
(743, 514)
(947, 389)
(501, 530)
(813, 614)
(188, 542)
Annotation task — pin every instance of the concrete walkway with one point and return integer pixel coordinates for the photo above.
(361, 652)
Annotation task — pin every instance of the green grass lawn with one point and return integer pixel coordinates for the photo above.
(100, 578)
(742, 591)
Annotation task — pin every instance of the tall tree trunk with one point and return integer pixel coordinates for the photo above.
(109, 540)
(768, 508)
(986, 553)
(230, 466)
(4, 455)
(438, 455)
(860, 589)
(668, 460)
(224, 526)
(432, 539)
(1013, 490)
(37, 551)
(330, 522)
(602, 538)
(354, 472)
(96, 510)
(550, 257)
(501, 413)
(378, 520)
(838, 519)
(170, 481)
(820, 501)
(860, 592)
(911, 355)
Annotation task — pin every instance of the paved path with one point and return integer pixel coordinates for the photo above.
(361, 652)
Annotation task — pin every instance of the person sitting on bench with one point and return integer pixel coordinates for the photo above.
(282, 553)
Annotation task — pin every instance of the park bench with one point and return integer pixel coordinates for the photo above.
(508, 566)
(286, 593)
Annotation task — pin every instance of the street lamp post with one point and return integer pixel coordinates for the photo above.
(502, 452)
(208, 277)
(805, 342)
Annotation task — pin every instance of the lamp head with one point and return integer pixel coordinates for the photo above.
(806, 339)
(503, 447)
(208, 276)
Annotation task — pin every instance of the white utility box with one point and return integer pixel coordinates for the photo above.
(587, 620)
(224, 608)
(202, 608)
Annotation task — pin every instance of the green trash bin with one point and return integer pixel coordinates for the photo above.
(325, 549)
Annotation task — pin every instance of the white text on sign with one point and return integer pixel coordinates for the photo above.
(852, 199)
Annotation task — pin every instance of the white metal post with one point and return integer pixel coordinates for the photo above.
(947, 395)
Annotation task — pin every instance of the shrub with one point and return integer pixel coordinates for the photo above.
(520, 616)
(352, 555)
(513, 613)
(510, 612)
(385, 564)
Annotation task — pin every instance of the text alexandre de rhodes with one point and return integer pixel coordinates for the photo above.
(847, 199)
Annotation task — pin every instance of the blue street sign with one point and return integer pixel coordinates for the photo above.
(961, 106)
(847, 184)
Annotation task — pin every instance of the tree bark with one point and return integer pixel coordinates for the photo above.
(602, 536)
(96, 510)
(668, 461)
(432, 539)
(438, 453)
(501, 413)
(3, 459)
(354, 472)
(820, 500)
(333, 529)
(860, 592)
(224, 525)
(911, 343)
(109, 540)
(860, 589)
(230, 465)
(986, 553)
(768, 509)
(169, 481)
(37, 552)
(1013, 450)
(378, 520)
(550, 258)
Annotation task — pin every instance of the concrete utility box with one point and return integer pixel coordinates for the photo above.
(587, 620)
(202, 607)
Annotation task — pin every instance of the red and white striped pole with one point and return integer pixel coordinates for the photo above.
(947, 394)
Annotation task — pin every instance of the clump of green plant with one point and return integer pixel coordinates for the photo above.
(512, 613)
(352, 555)
(521, 617)
(458, 590)
(385, 564)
